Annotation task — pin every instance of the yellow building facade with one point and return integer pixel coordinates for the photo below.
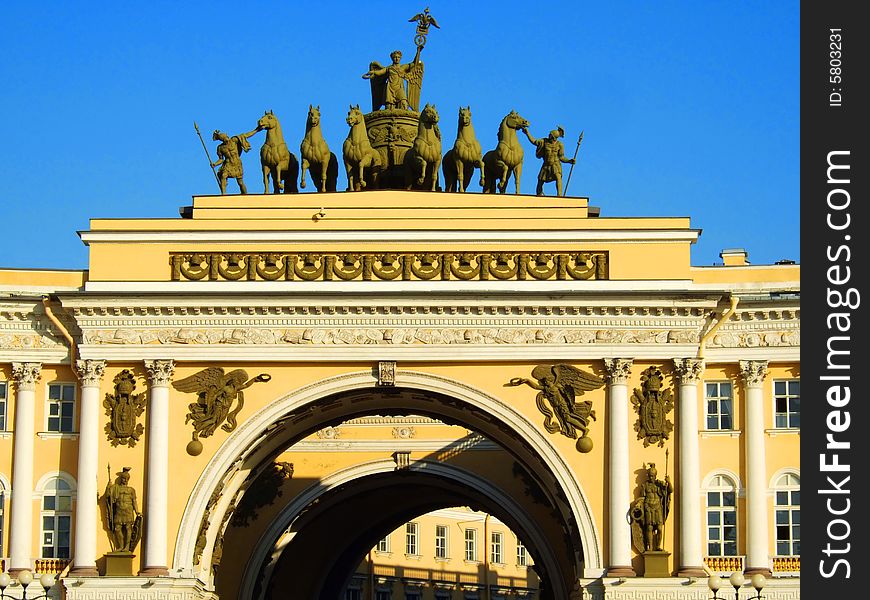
(387, 327)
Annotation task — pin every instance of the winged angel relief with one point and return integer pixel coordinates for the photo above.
(558, 387)
(216, 392)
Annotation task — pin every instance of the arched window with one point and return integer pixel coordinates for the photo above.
(56, 516)
(787, 514)
(721, 516)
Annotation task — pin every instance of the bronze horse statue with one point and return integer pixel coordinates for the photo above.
(507, 158)
(358, 153)
(460, 161)
(277, 161)
(424, 157)
(316, 157)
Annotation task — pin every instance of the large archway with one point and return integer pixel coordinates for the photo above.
(567, 540)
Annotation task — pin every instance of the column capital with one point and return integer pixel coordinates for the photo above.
(617, 370)
(90, 372)
(688, 370)
(26, 374)
(160, 372)
(753, 372)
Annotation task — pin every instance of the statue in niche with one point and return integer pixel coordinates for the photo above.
(123, 409)
(650, 510)
(216, 393)
(559, 387)
(122, 512)
(652, 404)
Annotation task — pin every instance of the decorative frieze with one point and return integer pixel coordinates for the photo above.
(389, 266)
(338, 336)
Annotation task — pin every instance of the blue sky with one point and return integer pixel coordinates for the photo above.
(688, 108)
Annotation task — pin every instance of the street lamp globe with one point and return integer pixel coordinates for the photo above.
(714, 583)
(25, 578)
(737, 579)
(758, 580)
(47, 581)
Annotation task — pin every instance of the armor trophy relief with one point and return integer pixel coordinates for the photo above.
(395, 146)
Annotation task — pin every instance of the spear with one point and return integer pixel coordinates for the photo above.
(664, 514)
(208, 156)
(577, 149)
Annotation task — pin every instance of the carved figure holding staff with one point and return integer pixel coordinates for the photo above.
(122, 510)
(552, 151)
(651, 510)
(229, 153)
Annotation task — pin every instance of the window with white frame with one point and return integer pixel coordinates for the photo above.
(787, 515)
(56, 518)
(720, 405)
(522, 554)
(721, 516)
(3, 395)
(383, 545)
(411, 535)
(471, 544)
(61, 403)
(441, 541)
(496, 542)
(787, 403)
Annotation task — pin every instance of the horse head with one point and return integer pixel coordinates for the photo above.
(313, 116)
(354, 115)
(464, 116)
(515, 121)
(429, 114)
(267, 121)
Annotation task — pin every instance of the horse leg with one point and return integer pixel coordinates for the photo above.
(324, 167)
(518, 170)
(265, 179)
(503, 177)
(460, 175)
(421, 165)
(482, 175)
(435, 166)
(305, 165)
(360, 181)
(349, 168)
(279, 181)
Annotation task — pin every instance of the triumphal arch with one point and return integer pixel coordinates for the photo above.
(243, 401)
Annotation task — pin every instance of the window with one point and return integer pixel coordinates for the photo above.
(384, 544)
(383, 595)
(3, 388)
(787, 403)
(442, 595)
(413, 595)
(497, 547)
(522, 554)
(61, 400)
(56, 518)
(721, 517)
(411, 547)
(788, 515)
(471, 544)
(719, 405)
(353, 594)
(440, 541)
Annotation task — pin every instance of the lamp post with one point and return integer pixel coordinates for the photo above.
(25, 578)
(737, 580)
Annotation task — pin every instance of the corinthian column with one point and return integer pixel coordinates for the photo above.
(618, 488)
(688, 372)
(25, 376)
(156, 493)
(757, 557)
(90, 374)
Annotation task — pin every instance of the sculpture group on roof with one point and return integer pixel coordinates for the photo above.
(397, 145)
